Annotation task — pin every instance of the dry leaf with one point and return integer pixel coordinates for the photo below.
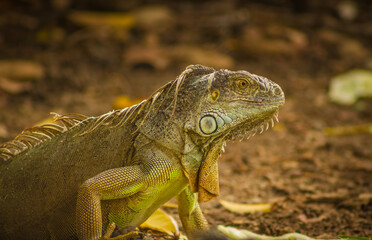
(330, 197)
(13, 87)
(51, 35)
(345, 46)
(348, 10)
(234, 233)
(3, 131)
(162, 222)
(160, 57)
(365, 196)
(303, 218)
(154, 56)
(198, 54)
(124, 101)
(21, 70)
(269, 41)
(153, 17)
(242, 208)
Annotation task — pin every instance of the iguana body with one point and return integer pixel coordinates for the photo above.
(72, 180)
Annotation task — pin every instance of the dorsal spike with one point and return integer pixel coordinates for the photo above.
(34, 136)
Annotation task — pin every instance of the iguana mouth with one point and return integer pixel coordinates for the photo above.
(257, 101)
(245, 130)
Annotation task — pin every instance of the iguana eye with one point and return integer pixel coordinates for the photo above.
(242, 84)
(208, 124)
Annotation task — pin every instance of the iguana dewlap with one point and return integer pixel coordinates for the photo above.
(71, 180)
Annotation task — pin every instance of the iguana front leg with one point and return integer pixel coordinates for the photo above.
(190, 213)
(117, 183)
(111, 184)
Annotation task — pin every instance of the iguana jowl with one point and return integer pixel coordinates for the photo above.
(75, 178)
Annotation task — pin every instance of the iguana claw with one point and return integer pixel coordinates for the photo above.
(132, 234)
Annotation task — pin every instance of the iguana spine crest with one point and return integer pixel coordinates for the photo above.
(35, 136)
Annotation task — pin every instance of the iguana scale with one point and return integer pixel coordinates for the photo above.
(74, 179)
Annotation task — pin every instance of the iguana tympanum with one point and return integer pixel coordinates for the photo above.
(73, 179)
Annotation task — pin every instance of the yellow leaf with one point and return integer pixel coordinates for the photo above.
(124, 101)
(93, 19)
(49, 120)
(170, 205)
(348, 130)
(279, 127)
(162, 222)
(246, 208)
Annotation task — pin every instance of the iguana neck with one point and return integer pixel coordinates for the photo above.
(171, 138)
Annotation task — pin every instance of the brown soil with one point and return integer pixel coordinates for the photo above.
(322, 185)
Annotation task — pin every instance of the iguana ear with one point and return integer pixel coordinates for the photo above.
(208, 184)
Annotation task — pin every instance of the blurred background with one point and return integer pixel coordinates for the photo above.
(90, 57)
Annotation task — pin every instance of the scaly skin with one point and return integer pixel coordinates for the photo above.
(73, 180)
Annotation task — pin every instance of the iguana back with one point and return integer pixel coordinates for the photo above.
(42, 169)
(40, 184)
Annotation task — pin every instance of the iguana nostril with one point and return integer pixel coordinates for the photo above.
(277, 91)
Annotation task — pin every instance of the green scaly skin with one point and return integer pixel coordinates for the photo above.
(76, 179)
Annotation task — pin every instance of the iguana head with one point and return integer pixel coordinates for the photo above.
(221, 105)
(235, 103)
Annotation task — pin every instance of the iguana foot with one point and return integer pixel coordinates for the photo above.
(127, 233)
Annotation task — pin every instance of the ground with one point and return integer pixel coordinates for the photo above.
(321, 185)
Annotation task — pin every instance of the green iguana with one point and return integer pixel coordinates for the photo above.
(74, 179)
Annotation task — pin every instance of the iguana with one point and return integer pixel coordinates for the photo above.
(76, 178)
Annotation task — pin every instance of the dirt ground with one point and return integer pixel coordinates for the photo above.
(321, 185)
